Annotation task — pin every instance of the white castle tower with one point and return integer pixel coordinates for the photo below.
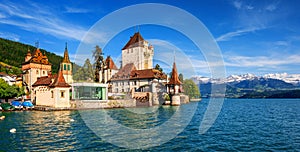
(138, 52)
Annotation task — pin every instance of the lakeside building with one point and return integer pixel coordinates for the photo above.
(36, 65)
(136, 72)
(46, 89)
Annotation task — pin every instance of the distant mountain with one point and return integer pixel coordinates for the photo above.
(249, 85)
(12, 53)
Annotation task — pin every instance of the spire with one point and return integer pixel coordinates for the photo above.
(174, 77)
(60, 80)
(66, 55)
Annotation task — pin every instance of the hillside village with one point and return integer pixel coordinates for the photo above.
(135, 83)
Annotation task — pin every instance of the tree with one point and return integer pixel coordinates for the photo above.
(191, 89)
(98, 57)
(180, 77)
(84, 73)
(7, 91)
(157, 67)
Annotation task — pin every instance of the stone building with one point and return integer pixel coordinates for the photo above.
(109, 69)
(52, 91)
(137, 68)
(46, 89)
(139, 52)
(36, 65)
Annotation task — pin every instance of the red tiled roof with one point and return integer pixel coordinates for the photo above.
(38, 57)
(134, 41)
(59, 81)
(174, 77)
(110, 63)
(124, 73)
(44, 81)
(147, 74)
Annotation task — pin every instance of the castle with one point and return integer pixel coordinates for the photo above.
(44, 88)
(136, 72)
(136, 77)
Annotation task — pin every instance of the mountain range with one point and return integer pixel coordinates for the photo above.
(251, 86)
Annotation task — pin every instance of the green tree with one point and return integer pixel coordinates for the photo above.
(157, 67)
(191, 89)
(98, 57)
(180, 77)
(7, 91)
(84, 73)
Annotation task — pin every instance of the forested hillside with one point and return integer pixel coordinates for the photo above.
(12, 55)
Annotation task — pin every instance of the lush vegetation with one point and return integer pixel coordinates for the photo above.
(84, 73)
(191, 89)
(8, 92)
(12, 56)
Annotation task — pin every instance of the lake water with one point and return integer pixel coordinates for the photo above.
(242, 125)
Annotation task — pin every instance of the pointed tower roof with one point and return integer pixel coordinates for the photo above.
(28, 53)
(134, 40)
(110, 63)
(60, 81)
(66, 55)
(174, 77)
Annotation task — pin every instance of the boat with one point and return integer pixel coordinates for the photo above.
(28, 104)
(7, 107)
(17, 104)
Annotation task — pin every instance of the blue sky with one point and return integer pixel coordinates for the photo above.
(256, 37)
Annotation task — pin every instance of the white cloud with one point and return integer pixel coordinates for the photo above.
(229, 35)
(261, 61)
(76, 10)
(271, 7)
(10, 36)
(40, 19)
(237, 4)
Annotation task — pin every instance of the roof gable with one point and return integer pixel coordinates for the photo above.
(110, 63)
(134, 41)
(59, 81)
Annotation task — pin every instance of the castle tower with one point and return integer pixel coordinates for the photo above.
(174, 87)
(138, 52)
(28, 56)
(36, 65)
(66, 67)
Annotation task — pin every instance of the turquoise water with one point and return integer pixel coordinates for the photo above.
(242, 125)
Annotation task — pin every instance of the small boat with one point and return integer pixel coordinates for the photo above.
(27, 105)
(7, 107)
(17, 104)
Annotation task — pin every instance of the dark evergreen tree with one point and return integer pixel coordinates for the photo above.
(99, 63)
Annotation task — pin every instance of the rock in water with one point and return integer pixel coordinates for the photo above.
(13, 130)
(2, 117)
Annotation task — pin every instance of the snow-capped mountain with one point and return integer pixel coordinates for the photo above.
(288, 78)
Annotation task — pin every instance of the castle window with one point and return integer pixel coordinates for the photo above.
(65, 67)
(51, 94)
(37, 71)
(69, 68)
(43, 72)
(62, 94)
(131, 50)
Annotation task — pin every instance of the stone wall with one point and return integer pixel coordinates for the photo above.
(95, 104)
